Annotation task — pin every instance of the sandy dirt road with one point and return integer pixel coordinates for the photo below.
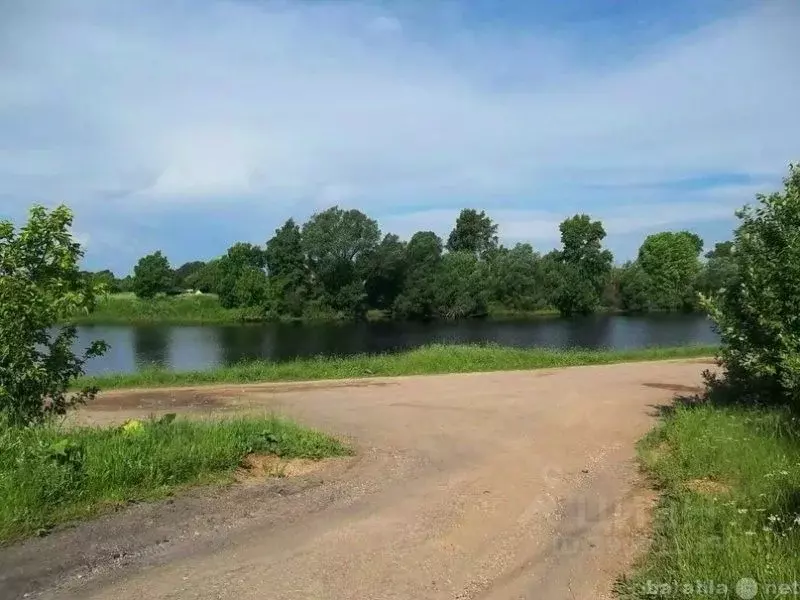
(490, 486)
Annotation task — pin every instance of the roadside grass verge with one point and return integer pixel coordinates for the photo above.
(730, 507)
(51, 475)
(427, 360)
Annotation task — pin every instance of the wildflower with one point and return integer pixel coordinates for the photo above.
(773, 518)
(132, 426)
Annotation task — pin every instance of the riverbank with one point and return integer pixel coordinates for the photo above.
(51, 475)
(127, 309)
(730, 507)
(427, 360)
(205, 309)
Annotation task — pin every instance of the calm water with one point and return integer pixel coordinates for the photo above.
(201, 347)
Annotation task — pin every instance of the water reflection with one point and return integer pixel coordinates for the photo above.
(151, 346)
(200, 347)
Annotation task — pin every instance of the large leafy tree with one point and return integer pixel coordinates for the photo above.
(40, 286)
(288, 275)
(517, 280)
(461, 289)
(634, 288)
(758, 318)
(242, 268)
(385, 272)
(584, 266)
(418, 298)
(206, 278)
(186, 270)
(152, 275)
(337, 244)
(719, 271)
(474, 232)
(671, 260)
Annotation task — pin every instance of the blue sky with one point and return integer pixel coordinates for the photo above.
(188, 125)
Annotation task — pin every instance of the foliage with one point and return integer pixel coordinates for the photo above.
(423, 259)
(634, 288)
(152, 275)
(758, 318)
(242, 281)
(51, 474)
(584, 266)
(517, 278)
(205, 279)
(720, 271)
(290, 286)
(385, 271)
(104, 280)
(337, 244)
(671, 262)
(461, 289)
(40, 285)
(186, 271)
(474, 232)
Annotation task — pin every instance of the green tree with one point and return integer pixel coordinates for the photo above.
(418, 300)
(242, 281)
(40, 286)
(634, 288)
(517, 280)
(186, 270)
(206, 278)
(584, 266)
(671, 262)
(152, 275)
(106, 280)
(719, 271)
(474, 232)
(385, 272)
(288, 276)
(460, 286)
(758, 319)
(338, 244)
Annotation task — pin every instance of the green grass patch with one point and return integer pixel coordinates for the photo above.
(730, 509)
(176, 310)
(50, 474)
(427, 360)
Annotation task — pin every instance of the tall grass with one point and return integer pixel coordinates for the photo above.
(50, 474)
(426, 360)
(184, 309)
(730, 508)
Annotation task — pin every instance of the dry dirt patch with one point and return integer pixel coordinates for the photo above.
(257, 467)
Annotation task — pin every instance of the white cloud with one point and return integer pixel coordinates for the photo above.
(288, 106)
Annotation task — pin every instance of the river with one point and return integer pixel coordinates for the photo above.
(206, 346)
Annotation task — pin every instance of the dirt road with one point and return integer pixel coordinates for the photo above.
(491, 486)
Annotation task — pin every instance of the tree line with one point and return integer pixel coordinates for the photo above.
(339, 264)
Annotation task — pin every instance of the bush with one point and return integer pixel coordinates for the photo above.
(758, 317)
(41, 284)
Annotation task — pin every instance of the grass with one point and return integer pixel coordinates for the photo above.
(427, 360)
(50, 475)
(176, 310)
(730, 509)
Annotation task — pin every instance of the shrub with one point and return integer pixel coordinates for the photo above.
(40, 284)
(758, 317)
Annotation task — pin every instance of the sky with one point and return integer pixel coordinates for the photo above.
(188, 125)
